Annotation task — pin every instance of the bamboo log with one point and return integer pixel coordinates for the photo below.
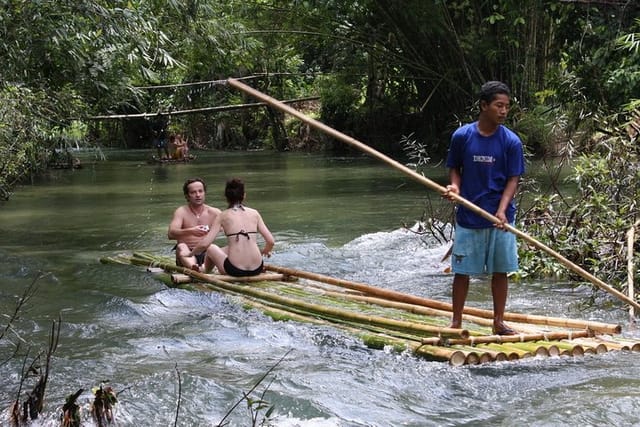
(146, 259)
(339, 299)
(473, 340)
(431, 184)
(412, 327)
(411, 308)
(413, 299)
(614, 344)
(387, 294)
(433, 352)
(586, 343)
(475, 357)
(551, 347)
(179, 278)
(426, 311)
(631, 239)
(454, 357)
(633, 345)
(317, 309)
(471, 357)
(373, 340)
(195, 110)
(352, 326)
(496, 356)
(376, 340)
(512, 347)
(381, 302)
(399, 334)
(574, 349)
(273, 311)
(533, 347)
(512, 353)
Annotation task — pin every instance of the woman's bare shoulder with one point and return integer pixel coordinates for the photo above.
(213, 210)
(252, 210)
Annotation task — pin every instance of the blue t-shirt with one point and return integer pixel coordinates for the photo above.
(485, 163)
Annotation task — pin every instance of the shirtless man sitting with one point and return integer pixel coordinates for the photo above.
(190, 223)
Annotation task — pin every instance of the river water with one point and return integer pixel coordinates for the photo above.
(343, 217)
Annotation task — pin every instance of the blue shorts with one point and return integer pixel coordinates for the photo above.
(483, 251)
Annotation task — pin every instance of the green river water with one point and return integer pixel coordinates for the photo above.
(341, 216)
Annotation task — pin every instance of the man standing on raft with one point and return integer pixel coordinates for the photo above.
(190, 223)
(485, 163)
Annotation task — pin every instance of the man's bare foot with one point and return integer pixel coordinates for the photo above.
(502, 329)
(455, 325)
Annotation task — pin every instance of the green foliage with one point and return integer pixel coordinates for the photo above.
(384, 68)
(98, 49)
(589, 226)
(21, 134)
(541, 129)
(339, 101)
(599, 53)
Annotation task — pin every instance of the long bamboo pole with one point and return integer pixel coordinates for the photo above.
(193, 111)
(431, 184)
(413, 299)
(631, 239)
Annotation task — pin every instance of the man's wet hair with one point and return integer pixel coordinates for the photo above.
(185, 187)
(490, 89)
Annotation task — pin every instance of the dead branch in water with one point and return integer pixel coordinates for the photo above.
(254, 405)
(102, 407)
(33, 405)
(28, 293)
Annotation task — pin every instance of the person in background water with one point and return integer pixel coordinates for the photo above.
(181, 147)
(485, 162)
(190, 223)
(159, 129)
(241, 224)
(173, 148)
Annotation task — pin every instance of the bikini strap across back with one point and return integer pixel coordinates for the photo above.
(243, 233)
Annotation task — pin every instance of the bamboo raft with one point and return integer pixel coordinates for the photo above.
(171, 161)
(385, 318)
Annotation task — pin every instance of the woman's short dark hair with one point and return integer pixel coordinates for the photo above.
(234, 191)
(490, 89)
(188, 182)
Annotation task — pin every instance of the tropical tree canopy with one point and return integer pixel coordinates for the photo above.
(380, 70)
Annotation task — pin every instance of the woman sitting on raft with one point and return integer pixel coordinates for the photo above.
(241, 256)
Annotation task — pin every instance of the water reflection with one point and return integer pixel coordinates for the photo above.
(161, 173)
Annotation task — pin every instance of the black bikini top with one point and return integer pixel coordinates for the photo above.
(243, 233)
